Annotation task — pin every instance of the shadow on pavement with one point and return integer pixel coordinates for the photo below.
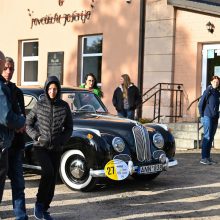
(188, 191)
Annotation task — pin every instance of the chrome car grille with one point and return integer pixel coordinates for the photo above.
(142, 143)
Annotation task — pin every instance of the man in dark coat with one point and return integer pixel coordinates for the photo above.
(15, 152)
(9, 122)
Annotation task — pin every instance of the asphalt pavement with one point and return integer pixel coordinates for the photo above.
(189, 191)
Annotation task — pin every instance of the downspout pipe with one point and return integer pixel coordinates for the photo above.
(141, 52)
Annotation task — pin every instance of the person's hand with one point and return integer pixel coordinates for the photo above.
(43, 141)
(21, 130)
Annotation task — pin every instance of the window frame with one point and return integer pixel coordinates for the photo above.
(28, 58)
(88, 55)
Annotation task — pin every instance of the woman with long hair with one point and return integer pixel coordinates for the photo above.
(126, 97)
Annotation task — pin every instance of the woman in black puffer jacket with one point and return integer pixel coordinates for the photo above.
(50, 125)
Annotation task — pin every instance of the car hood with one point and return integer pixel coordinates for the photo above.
(103, 122)
(108, 123)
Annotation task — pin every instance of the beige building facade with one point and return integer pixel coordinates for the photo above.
(182, 40)
(69, 38)
(154, 41)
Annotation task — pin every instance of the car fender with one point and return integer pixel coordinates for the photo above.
(91, 144)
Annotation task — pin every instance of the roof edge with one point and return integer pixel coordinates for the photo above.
(195, 6)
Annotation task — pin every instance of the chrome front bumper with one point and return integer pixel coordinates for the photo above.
(132, 168)
(172, 163)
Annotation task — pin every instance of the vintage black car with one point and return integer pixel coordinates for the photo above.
(104, 145)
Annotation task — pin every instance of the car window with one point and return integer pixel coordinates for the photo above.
(70, 99)
(29, 102)
(89, 99)
(83, 101)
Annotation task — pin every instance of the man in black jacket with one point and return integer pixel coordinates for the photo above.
(9, 122)
(15, 170)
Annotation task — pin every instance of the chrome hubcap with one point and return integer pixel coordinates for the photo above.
(77, 168)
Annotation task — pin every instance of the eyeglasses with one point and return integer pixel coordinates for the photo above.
(10, 68)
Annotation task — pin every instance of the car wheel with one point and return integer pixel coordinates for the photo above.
(74, 171)
(148, 177)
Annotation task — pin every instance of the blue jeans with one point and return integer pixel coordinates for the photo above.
(15, 174)
(126, 113)
(210, 126)
(3, 171)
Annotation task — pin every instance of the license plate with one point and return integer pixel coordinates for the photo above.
(150, 169)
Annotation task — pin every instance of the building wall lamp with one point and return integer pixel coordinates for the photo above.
(210, 27)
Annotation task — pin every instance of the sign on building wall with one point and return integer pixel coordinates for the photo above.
(55, 65)
(63, 19)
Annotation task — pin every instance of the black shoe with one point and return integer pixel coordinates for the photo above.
(47, 216)
(38, 210)
(212, 161)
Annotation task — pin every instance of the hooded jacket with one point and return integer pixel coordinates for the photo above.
(9, 121)
(51, 120)
(209, 103)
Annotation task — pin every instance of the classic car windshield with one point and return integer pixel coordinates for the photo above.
(82, 102)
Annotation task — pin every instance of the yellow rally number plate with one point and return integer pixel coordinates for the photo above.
(116, 170)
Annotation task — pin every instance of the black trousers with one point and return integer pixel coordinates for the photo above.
(49, 162)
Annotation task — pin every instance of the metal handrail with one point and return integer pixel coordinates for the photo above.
(176, 90)
(197, 122)
(196, 100)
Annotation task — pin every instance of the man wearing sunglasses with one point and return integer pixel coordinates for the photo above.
(15, 152)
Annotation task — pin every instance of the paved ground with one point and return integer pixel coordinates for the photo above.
(189, 191)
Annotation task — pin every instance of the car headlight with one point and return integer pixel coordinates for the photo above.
(118, 144)
(158, 140)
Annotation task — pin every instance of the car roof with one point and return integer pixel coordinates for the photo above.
(37, 90)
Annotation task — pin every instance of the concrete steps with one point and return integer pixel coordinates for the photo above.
(185, 134)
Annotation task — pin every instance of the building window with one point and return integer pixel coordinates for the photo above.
(91, 61)
(29, 64)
